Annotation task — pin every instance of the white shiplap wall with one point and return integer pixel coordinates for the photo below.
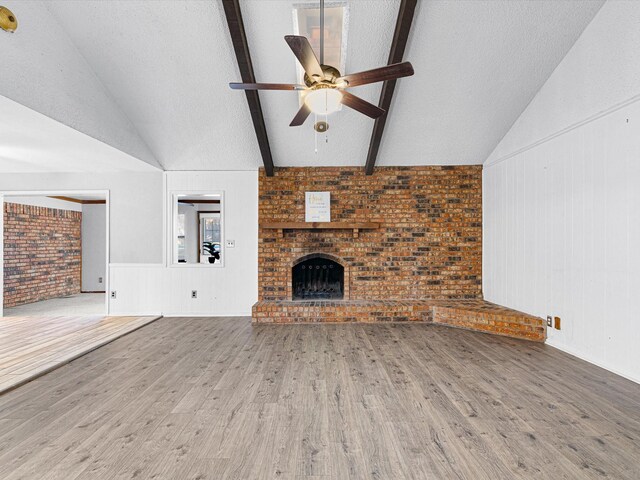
(140, 289)
(562, 205)
(562, 237)
(230, 290)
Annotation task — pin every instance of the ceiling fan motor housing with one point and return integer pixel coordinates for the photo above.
(331, 74)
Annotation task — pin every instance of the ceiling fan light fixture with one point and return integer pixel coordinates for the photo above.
(323, 101)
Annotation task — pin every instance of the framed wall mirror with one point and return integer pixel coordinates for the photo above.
(197, 237)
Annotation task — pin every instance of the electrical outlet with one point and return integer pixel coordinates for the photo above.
(194, 294)
(113, 294)
(556, 321)
(99, 279)
(549, 321)
(230, 244)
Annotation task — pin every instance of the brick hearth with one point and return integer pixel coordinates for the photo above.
(470, 314)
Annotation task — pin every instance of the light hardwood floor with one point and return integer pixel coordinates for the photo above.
(220, 398)
(82, 304)
(32, 346)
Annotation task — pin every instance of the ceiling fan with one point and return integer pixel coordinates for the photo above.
(324, 85)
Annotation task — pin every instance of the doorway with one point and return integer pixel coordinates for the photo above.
(54, 253)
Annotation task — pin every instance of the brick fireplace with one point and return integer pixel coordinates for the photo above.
(419, 259)
(429, 243)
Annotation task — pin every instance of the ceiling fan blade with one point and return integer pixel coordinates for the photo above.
(304, 53)
(266, 86)
(301, 116)
(390, 72)
(362, 106)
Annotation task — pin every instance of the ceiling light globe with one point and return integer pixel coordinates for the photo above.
(323, 101)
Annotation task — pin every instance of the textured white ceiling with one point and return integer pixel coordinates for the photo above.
(167, 65)
(478, 64)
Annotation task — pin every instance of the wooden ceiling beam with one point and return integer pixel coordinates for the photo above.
(241, 48)
(400, 37)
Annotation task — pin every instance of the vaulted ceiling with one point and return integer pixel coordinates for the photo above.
(151, 78)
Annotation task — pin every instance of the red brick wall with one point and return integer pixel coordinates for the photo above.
(42, 253)
(429, 244)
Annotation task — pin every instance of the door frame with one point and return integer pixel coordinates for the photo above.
(60, 193)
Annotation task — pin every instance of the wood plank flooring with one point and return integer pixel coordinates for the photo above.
(219, 398)
(32, 346)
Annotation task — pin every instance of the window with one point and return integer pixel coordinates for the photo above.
(306, 22)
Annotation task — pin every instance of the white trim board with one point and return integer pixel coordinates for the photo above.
(565, 130)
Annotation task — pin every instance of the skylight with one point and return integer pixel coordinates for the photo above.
(306, 22)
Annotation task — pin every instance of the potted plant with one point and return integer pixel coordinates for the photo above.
(213, 250)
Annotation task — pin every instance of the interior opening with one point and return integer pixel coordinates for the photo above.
(54, 254)
(198, 229)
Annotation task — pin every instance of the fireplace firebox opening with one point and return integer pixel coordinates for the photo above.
(317, 277)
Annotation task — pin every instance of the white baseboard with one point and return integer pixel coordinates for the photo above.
(204, 315)
(136, 265)
(586, 358)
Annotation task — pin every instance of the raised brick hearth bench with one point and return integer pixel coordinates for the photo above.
(476, 315)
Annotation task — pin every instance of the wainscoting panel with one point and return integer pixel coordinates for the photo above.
(139, 288)
(154, 289)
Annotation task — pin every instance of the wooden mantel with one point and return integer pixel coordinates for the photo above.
(355, 226)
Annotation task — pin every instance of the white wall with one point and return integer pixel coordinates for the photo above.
(562, 198)
(229, 290)
(136, 215)
(139, 271)
(94, 247)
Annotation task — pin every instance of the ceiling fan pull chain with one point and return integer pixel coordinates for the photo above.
(315, 132)
(326, 132)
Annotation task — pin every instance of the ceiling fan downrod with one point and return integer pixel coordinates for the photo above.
(321, 32)
(324, 86)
